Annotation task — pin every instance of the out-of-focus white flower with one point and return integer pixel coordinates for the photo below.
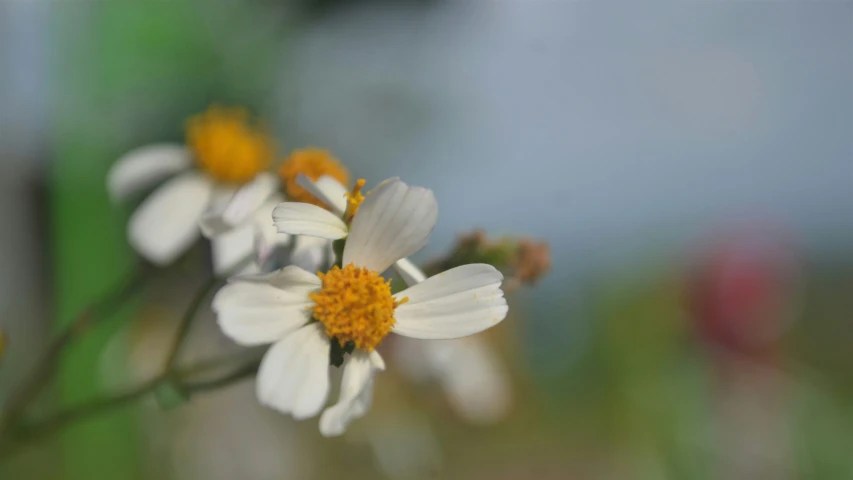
(246, 216)
(404, 446)
(226, 150)
(351, 309)
(467, 369)
(247, 442)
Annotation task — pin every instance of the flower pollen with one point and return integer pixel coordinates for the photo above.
(227, 146)
(354, 200)
(355, 304)
(313, 163)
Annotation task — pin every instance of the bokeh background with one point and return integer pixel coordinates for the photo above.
(690, 164)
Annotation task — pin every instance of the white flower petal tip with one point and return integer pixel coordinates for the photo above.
(266, 236)
(394, 221)
(326, 189)
(356, 393)
(144, 167)
(335, 420)
(294, 374)
(456, 303)
(376, 361)
(166, 224)
(263, 308)
(250, 198)
(306, 219)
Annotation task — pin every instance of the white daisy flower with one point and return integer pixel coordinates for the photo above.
(303, 314)
(253, 205)
(226, 150)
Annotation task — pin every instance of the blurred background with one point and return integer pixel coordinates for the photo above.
(690, 165)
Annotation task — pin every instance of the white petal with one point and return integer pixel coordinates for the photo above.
(241, 207)
(376, 361)
(263, 219)
(409, 272)
(456, 303)
(328, 190)
(290, 278)
(394, 221)
(356, 393)
(294, 374)
(306, 219)
(267, 239)
(144, 167)
(250, 198)
(472, 378)
(232, 248)
(211, 222)
(166, 223)
(261, 309)
(361, 405)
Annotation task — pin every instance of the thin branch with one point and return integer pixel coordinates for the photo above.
(187, 321)
(36, 429)
(28, 432)
(45, 366)
(246, 370)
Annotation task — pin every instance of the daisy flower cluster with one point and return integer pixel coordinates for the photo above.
(306, 258)
(222, 184)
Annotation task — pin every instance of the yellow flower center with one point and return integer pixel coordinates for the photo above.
(227, 146)
(354, 200)
(355, 304)
(313, 163)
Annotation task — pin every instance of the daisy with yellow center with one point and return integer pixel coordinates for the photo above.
(254, 202)
(227, 150)
(308, 317)
(227, 147)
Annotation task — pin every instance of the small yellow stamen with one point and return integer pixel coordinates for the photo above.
(313, 163)
(227, 146)
(354, 200)
(355, 304)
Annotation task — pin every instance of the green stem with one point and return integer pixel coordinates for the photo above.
(45, 367)
(28, 432)
(34, 430)
(11, 427)
(244, 371)
(187, 321)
